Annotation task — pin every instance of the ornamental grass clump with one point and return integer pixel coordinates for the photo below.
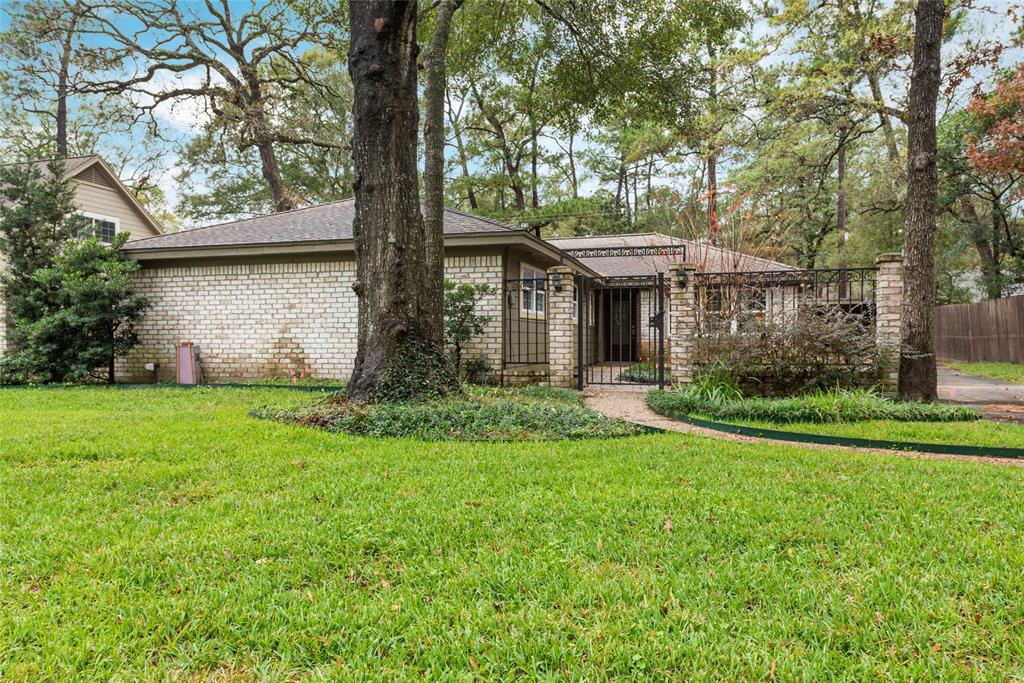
(825, 407)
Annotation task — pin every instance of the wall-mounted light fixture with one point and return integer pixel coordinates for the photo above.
(556, 281)
(681, 278)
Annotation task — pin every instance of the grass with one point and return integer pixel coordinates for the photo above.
(484, 414)
(1004, 372)
(166, 535)
(857, 413)
(960, 433)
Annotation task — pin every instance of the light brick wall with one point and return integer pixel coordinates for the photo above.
(261, 319)
(682, 324)
(889, 311)
(562, 329)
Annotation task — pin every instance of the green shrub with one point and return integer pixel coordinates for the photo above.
(645, 371)
(484, 415)
(796, 354)
(833, 406)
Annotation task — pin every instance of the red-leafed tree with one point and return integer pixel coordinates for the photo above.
(999, 146)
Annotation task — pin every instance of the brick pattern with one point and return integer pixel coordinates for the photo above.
(682, 324)
(889, 311)
(562, 335)
(261, 320)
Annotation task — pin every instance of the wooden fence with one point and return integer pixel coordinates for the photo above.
(988, 330)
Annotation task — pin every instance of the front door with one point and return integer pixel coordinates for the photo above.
(621, 333)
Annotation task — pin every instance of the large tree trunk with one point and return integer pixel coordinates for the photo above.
(892, 149)
(460, 147)
(841, 209)
(712, 151)
(397, 355)
(917, 375)
(271, 171)
(990, 274)
(433, 160)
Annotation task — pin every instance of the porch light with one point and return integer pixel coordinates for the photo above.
(681, 278)
(556, 280)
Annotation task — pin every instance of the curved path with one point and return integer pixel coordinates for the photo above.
(628, 402)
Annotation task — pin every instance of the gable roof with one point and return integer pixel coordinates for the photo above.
(78, 166)
(322, 223)
(707, 258)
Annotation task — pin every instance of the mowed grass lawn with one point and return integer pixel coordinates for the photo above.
(164, 534)
(1004, 372)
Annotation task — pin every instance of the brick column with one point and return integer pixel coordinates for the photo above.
(682, 322)
(561, 328)
(889, 311)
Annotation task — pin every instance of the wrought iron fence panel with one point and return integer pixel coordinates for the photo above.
(526, 322)
(733, 303)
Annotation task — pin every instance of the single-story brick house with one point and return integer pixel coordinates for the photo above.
(266, 295)
(103, 199)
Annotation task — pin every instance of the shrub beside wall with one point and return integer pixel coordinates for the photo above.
(808, 350)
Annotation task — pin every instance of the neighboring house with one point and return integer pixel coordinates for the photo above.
(266, 295)
(103, 199)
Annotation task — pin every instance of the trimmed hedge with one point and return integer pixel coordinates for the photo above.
(833, 406)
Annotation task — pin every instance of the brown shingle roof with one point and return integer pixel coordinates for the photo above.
(325, 222)
(709, 259)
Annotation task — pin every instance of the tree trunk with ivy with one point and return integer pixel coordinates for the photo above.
(400, 353)
(917, 374)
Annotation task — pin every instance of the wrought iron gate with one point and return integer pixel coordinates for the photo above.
(621, 323)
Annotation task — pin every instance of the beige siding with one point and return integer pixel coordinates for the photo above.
(108, 201)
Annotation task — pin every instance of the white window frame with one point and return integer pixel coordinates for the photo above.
(529, 297)
(100, 217)
(575, 303)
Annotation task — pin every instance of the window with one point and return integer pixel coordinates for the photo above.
(102, 228)
(575, 303)
(534, 294)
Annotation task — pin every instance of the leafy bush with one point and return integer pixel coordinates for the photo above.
(805, 351)
(461, 321)
(86, 309)
(484, 415)
(833, 406)
(645, 371)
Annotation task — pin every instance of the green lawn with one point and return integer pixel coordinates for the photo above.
(975, 433)
(165, 534)
(1005, 372)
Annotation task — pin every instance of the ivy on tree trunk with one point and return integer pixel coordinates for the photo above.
(400, 353)
(917, 373)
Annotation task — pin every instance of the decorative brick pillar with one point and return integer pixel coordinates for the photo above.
(682, 318)
(562, 325)
(889, 311)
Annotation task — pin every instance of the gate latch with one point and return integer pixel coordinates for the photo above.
(657, 321)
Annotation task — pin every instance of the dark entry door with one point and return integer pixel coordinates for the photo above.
(621, 332)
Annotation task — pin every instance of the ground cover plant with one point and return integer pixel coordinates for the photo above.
(645, 371)
(832, 406)
(482, 414)
(164, 534)
(1004, 372)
